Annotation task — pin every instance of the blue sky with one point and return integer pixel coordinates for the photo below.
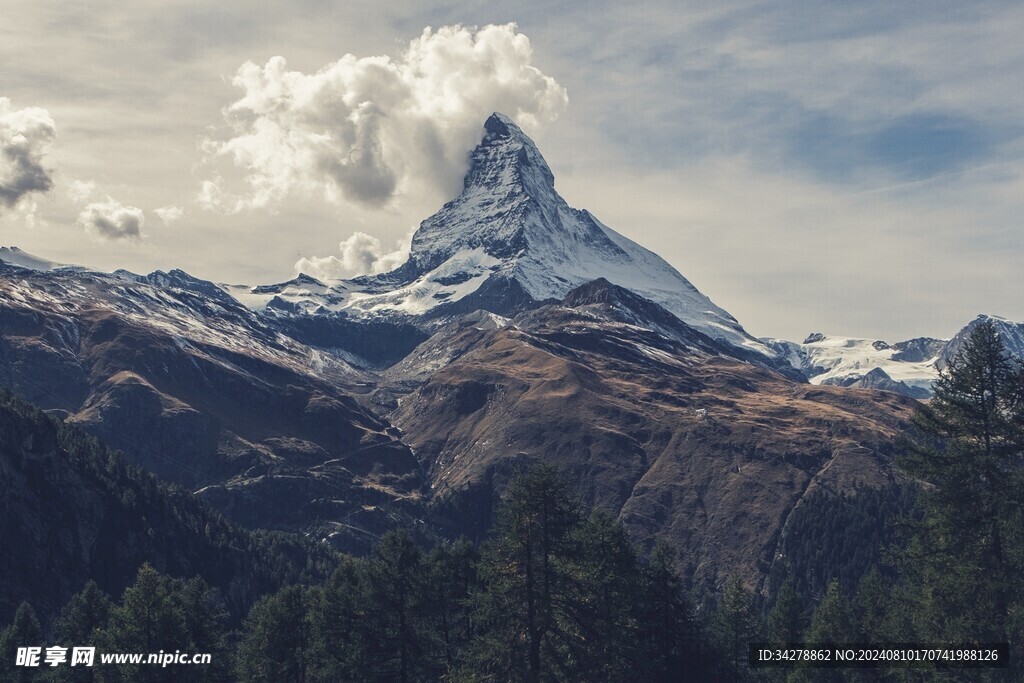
(853, 168)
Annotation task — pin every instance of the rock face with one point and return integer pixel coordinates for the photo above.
(682, 442)
(1011, 334)
(878, 379)
(196, 388)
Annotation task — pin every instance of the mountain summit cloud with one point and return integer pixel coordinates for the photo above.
(356, 130)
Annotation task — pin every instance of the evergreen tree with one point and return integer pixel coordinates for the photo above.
(80, 624)
(601, 641)
(735, 627)
(787, 619)
(274, 647)
(147, 620)
(520, 606)
(341, 634)
(452, 575)
(206, 621)
(871, 608)
(961, 566)
(24, 631)
(668, 636)
(396, 580)
(831, 623)
(85, 614)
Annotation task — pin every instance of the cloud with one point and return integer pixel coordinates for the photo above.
(111, 220)
(169, 214)
(359, 129)
(81, 190)
(25, 136)
(361, 254)
(211, 196)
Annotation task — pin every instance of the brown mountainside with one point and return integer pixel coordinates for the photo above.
(622, 412)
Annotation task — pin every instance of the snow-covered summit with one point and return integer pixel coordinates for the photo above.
(1011, 333)
(13, 256)
(509, 241)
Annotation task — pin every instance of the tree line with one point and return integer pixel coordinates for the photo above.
(554, 595)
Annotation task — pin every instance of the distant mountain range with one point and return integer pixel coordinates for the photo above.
(518, 330)
(907, 367)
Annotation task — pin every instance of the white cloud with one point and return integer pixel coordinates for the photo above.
(361, 254)
(81, 190)
(359, 129)
(169, 214)
(25, 136)
(211, 196)
(111, 220)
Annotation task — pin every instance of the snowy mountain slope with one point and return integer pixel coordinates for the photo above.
(202, 391)
(508, 242)
(827, 359)
(857, 362)
(14, 256)
(195, 312)
(1011, 333)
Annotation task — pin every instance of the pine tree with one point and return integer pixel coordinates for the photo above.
(341, 634)
(831, 623)
(86, 613)
(452, 575)
(274, 648)
(668, 634)
(604, 582)
(788, 617)
(206, 621)
(871, 608)
(80, 624)
(962, 561)
(735, 627)
(146, 620)
(24, 631)
(396, 576)
(523, 571)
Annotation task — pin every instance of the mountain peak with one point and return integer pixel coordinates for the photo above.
(509, 242)
(507, 160)
(500, 126)
(14, 256)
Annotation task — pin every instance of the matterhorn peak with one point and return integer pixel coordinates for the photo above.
(508, 160)
(499, 126)
(510, 242)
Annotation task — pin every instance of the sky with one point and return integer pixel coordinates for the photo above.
(850, 168)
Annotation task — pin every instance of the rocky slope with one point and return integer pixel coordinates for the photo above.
(1011, 333)
(198, 389)
(682, 442)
